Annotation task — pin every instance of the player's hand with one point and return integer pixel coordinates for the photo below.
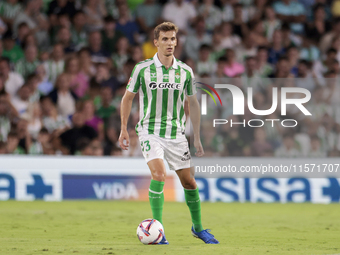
(199, 148)
(124, 136)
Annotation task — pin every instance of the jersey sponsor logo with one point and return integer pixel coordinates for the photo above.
(186, 156)
(164, 85)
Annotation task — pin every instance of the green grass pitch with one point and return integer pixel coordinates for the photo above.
(103, 227)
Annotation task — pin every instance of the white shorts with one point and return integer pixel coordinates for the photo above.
(175, 151)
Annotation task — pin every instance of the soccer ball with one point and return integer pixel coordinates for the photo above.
(150, 231)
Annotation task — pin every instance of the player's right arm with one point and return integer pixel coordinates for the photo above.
(125, 111)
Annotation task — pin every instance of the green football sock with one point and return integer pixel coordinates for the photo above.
(156, 198)
(192, 199)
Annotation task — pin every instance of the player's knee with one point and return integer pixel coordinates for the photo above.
(189, 183)
(159, 176)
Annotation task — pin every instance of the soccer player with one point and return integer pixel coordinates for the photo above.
(163, 83)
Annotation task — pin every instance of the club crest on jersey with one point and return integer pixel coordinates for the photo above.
(164, 85)
(177, 75)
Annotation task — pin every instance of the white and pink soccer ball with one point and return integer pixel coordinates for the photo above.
(150, 231)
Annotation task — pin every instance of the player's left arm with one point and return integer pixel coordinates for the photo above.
(195, 117)
(194, 111)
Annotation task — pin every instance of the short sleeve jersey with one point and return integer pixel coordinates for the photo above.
(162, 95)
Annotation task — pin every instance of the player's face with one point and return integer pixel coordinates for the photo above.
(166, 43)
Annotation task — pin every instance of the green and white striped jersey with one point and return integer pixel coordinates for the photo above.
(161, 96)
(8, 10)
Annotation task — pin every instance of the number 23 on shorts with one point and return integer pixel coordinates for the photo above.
(145, 145)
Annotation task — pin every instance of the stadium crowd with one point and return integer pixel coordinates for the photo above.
(65, 64)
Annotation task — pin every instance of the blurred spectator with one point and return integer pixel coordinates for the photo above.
(310, 52)
(34, 119)
(257, 31)
(41, 144)
(293, 58)
(282, 69)
(95, 12)
(70, 138)
(3, 147)
(288, 148)
(219, 73)
(251, 78)
(229, 40)
(276, 50)
(321, 67)
(181, 13)
(55, 65)
(305, 77)
(98, 54)
(148, 15)
(53, 121)
(35, 20)
(263, 67)
(9, 10)
(64, 38)
(288, 37)
(23, 31)
(315, 148)
(149, 48)
(196, 39)
(240, 28)
(234, 143)
(5, 117)
(91, 120)
(121, 55)
(84, 147)
(97, 148)
(63, 97)
(85, 63)
(260, 147)
(27, 65)
(137, 54)
(126, 25)
(248, 48)
(21, 100)
(105, 79)
(79, 82)
(232, 8)
(205, 65)
(326, 39)
(13, 81)
(232, 68)
(60, 7)
(11, 49)
(319, 26)
(211, 13)
(331, 92)
(13, 146)
(44, 86)
(78, 31)
(109, 35)
(271, 23)
(292, 12)
(106, 108)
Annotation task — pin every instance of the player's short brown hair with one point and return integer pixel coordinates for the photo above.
(164, 27)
